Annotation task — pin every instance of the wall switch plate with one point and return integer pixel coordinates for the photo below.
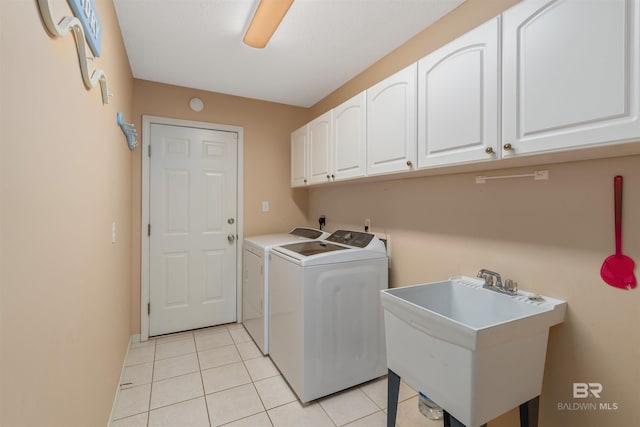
(265, 206)
(113, 232)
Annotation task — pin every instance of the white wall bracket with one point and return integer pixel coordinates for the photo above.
(129, 131)
(537, 176)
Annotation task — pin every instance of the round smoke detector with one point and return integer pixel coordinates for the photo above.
(196, 104)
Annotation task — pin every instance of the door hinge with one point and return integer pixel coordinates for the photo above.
(148, 229)
(148, 308)
(149, 150)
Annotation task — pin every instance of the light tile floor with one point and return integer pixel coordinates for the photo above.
(218, 377)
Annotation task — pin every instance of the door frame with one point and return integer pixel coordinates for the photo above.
(147, 121)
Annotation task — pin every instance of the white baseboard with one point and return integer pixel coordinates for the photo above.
(132, 338)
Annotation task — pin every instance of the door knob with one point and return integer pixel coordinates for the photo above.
(231, 238)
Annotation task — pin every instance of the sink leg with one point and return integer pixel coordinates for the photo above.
(393, 389)
(529, 413)
(451, 421)
(446, 418)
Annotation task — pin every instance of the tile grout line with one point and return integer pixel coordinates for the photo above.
(177, 376)
(153, 371)
(250, 377)
(252, 382)
(204, 391)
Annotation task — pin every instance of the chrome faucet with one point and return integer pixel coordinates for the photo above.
(493, 281)
(489, 277)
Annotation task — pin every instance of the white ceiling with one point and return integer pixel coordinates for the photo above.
(319, 46)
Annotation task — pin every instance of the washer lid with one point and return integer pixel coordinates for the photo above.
(309, 233)
(351, 238)
(267, 241)
(313, 247)
(363, 246)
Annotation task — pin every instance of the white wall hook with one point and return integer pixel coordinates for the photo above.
(129, 131)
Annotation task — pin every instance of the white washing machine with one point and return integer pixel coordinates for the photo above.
(326, 325)
(255, 286)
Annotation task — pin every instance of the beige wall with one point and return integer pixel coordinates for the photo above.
(69, 298)
(266, 176)
(65, 177)
(550, 236)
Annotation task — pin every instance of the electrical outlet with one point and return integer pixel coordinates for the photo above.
(113, 232)
(367, 224)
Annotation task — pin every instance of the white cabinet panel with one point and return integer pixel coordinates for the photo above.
(391, 123)
(350, 138)
(458, 99)
(320, 138)
(331, 147)
(570, 74)
(299, 166)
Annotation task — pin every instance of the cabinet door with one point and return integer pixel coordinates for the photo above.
(299, 166)
(570, 74)
(458, 100)
(320, 139)
(350, 138)
(391, 123)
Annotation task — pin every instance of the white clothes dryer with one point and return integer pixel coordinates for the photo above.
(326, 325)
(255, 281)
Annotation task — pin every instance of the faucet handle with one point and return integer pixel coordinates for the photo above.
(489, 277)
(511, 285)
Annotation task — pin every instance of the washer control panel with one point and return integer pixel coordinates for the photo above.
(351, 238)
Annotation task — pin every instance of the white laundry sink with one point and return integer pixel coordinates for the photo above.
(475, 352)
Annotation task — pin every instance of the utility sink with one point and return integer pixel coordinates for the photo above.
(476, 352)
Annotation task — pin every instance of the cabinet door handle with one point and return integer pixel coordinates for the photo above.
(489, 150)
(333, 176)
(409, 163)
(507, 147)
(231, 238)
(328, 176)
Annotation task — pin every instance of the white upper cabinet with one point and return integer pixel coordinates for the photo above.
(331, 147)
(320, 150)
(391, 123)
(458, 99)
(350, 138)
(545, 76)
(571, 74)
(299, 157)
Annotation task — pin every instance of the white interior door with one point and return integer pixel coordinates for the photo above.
(193, 228)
